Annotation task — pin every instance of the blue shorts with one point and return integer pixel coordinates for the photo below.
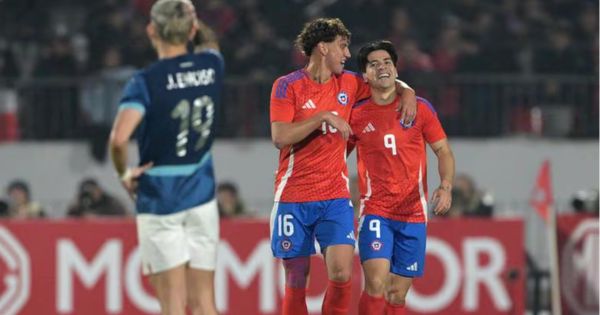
(402, 243)
(296, 225)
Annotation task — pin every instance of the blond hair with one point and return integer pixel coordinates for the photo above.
(173, 20)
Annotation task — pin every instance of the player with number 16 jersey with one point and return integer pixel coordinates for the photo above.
(315, 168)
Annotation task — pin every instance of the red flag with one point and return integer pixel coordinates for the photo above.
(542, 197)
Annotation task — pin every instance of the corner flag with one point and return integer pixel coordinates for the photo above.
(542, 197)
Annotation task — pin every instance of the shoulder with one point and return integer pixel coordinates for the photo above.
(358, 110)
(211, 54)
(138, 79)
(425, 106)
(347, 74)
(360, 105)
(282, 83)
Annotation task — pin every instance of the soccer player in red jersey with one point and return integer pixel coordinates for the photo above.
(392, 172)
(310, 109)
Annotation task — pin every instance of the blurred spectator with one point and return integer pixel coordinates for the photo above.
(228, 201)
(559, 55)
(20, 205)
(4, 213)
(93, 201)
(8, 65)
(585, 201)
(411, 59)
(527, 37)
(468, 200)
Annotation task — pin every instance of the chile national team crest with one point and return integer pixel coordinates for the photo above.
(407, 125)
(376, 245)
(342, 98)
(286, 245)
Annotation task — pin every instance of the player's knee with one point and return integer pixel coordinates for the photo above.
(296, 271)
(339, 273)
(396, 296)
(375, 286)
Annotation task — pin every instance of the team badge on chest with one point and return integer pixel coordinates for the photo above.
(342, 98)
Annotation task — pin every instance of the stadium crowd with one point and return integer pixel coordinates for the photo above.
(66, 38)
(58, 43)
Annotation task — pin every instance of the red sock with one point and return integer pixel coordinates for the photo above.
(337, 298)
(371, 305)
(294, 302)
(394, 309)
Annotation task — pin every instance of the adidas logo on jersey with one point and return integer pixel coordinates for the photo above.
(309, 105)
(413, 267)
(369, 128)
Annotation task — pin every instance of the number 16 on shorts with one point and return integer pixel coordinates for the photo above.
(285, 227)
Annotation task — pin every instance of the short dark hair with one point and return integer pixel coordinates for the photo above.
(320, 30)
(368, 48)
(19, 184)
(228, 186)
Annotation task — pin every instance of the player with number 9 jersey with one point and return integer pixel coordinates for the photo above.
(392, 169)
(392, 161)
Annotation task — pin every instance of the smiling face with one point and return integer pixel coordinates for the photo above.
(380, 70)
(336, 53)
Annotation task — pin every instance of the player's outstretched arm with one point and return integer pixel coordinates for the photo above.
(288, 133)
(408, 102)
(442, 196)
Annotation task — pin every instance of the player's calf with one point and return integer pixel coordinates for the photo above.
(398, 289)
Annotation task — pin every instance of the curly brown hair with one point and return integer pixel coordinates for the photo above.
(320, 30)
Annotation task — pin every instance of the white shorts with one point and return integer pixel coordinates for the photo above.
(167, 241)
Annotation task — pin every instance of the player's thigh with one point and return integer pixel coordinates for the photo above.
(202, 235)
(335, 225)
(170, 286)
(375, 238)
(162, 241)
(376, 272)
(200, 289)
(292, 230)
(408, 258)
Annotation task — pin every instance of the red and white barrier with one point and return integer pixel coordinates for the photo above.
(93, 267)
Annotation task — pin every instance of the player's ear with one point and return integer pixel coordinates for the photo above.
(364, 76)
(193, 31)
(150, 30)
(322, 47)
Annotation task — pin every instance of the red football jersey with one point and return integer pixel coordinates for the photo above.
(315, 168)
(392, 161)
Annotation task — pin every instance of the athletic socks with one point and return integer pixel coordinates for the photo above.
(294, 302)
(370, 305)
(394, 309)
(337, 298)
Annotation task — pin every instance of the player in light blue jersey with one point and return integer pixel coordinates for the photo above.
(172, 104)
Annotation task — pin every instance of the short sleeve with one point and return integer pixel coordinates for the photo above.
(282, 101)
(432, 128)
(135, 95)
